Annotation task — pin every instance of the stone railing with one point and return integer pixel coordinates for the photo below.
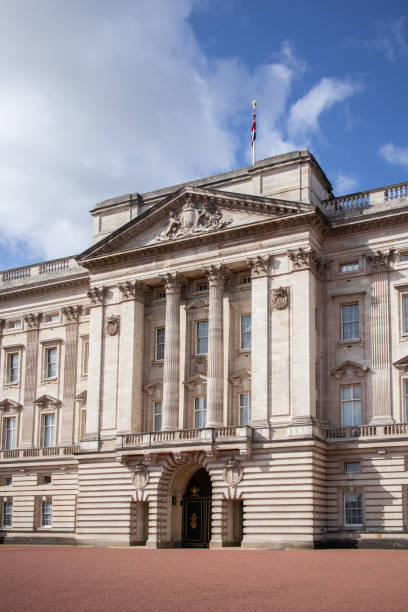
(207, 435)
(40, 272)
(360, 202)
(367, 431)
(28, 453)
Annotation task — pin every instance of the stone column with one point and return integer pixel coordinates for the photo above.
(131, 358)
(381, 397)
(30, 380)
(260, 354)
(171, 369)
(217, 277)
(90, 440)
(71, 349)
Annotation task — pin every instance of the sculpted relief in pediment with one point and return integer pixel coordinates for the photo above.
(194, 218)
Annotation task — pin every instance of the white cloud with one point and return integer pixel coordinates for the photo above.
(398, 156)
(345, 183)
(304, 114)
(96, 101)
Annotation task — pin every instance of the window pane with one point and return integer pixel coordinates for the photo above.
(13, 367)
(200, 412)
(157, 416)
(51, 363)
(349, 322)
(246, 339)
(46, 512)
(351, 412)
(244, 408)
(7, 513)
(346, 393)
(347, 414)
(352, 467)
(10, 433)
(202, 337)
(353, 509)
(160, 339)
(49, 430)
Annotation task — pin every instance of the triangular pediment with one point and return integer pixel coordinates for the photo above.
(47, 400)
(401, 364)
(9, 405)
(357, 369)
(192, 213)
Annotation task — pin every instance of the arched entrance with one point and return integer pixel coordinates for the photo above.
(197, 510)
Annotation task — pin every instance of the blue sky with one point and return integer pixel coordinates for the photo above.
(100, 98)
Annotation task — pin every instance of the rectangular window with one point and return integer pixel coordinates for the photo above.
(10, 433)
(349, 267)
(46, 513)
(85, 356)
(244, 408)
(404, 256)
(245, 280)
(14, 324)
(202, 287)
(349, 322)
(200, 412)
(82, 424)
(352, 467)
(160, 340)
(353, 509)
(246, 332)
(51, 363)
(202, 337)
(157, 416)
(12, 367)
(7, 513)
(48, 433)
(405, 321)
(351, 405)
(52, 317)
(47, 479)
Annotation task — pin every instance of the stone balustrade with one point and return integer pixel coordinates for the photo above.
(27, 453)
(208, 435)
(39, 272)
(367, 431)
(359, 202)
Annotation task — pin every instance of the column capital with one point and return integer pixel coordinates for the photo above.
(217, 274)
(259, 265)
(173, 282)
(32, 320)
(96, 295)
(380, 260)
(302, 259)
(131, 290)
(71, 313)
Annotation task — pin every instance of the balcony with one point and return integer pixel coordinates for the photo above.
(35, 453)
(395, 430)
(366, 202)
(209, 439)
(42, 273)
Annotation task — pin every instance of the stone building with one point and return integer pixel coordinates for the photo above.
(226, 365)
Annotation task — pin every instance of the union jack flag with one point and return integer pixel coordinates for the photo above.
(253, 130)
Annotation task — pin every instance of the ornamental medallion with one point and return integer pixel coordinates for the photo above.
(280, 298)
(112, 325)
(233, 472)
(140, 476)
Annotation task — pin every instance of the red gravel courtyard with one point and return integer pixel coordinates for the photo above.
(87, 579)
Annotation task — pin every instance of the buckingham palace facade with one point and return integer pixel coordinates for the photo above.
(226, 365)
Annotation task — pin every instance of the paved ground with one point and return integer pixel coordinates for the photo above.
(98, 579)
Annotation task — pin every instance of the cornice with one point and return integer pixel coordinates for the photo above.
(314, 218)
(50, 285)
(354, 225)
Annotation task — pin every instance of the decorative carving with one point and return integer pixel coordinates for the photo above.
(401, 364)
(140, 476)
(259, 265)
(217, 275)
(380, 261)
(302, 259)
(32, 320)
(357, 369)
(71, 313)
(233, 472)
(280, 298)
(133, 289)
(197, 304)
(82, 398)
(44, 401)
(173, 282)
(96, 295)
(9, 405)
(112, 325)
(193, 218)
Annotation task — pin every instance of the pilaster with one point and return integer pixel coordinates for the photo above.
(260, 353)
(93, 416)
(71, 348)
(217, 277)
(32, 322)
(381, 400)
(131, 355)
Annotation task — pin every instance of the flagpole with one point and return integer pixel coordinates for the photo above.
(253, 132)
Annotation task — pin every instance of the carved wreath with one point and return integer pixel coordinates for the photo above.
(233, 472)
(112, 325)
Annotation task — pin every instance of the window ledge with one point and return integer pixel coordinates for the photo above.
(243, 351)
(352, 341)
(158, 362)
(10, 384)
(353, 527)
